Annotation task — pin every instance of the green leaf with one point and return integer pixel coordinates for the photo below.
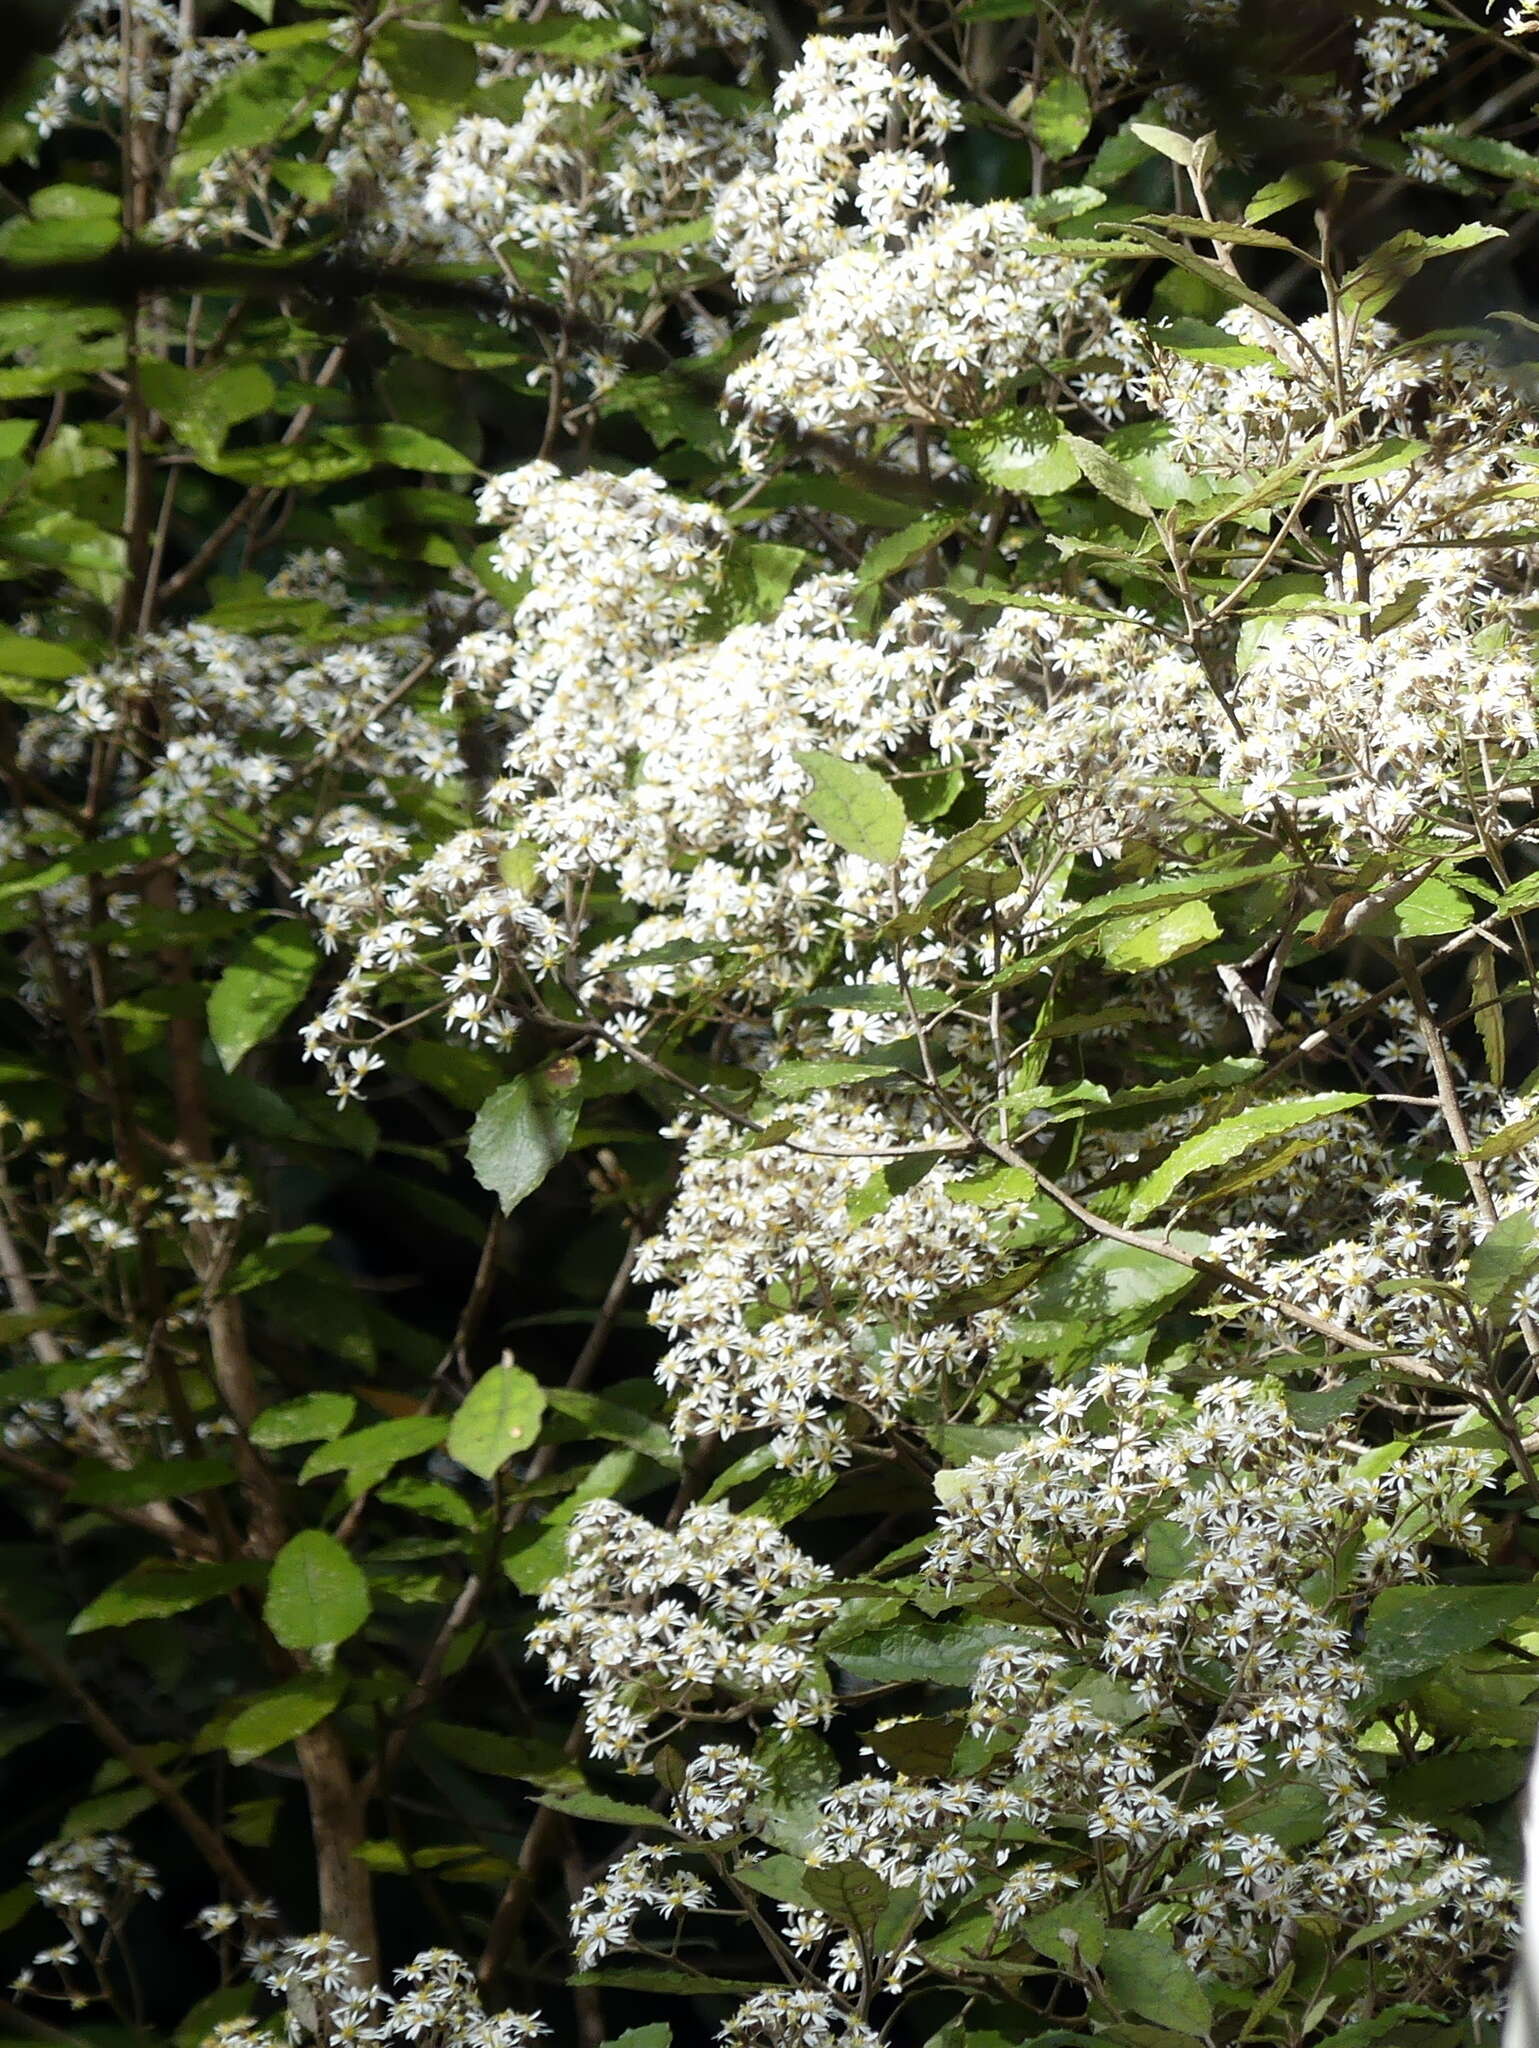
(1134, 944)
(795, 1078)
(1069, 1933)
(894, 554)
(670, 410)
(755, 583)
(1059, 116)
(463, 1074)
(1225, 1141)
(658, 2035)
(276, 1717)
(1413, 1630)
(584, 1804)
(1393, 453)
(1523, 895)
(369, 1454)
(562, 35)
(1021, 448)
(1439, 1786)
(311, 1418)
(1371, 287)
(390, 445)
(615, 1420)
(152, 1479)
(257, 103)
(800, 1770)
(267, 979)
(1169, 143)
(317, 1595)
(853, 806)
(16, 1323)
(1483, 153)
(1113, 479)
(1207, 344)
(499, 1417)
(1431, 909)
(940, 1652)
(151, 1592)
(281, 1254)
(1502, 1261)
(524, 1130)
(1143, 1974)
(848, 1892)
(434, 73)
(282, 467)
(527, 1758)
(1114, 1287)
(202, 406)
(23, 654)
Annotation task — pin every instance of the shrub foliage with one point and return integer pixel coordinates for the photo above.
(770, 1091)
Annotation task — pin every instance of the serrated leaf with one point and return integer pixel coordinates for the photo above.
(434, 73)
(1206, 344)
(1374, 283)
(1490, 1022)
(1114, 1287)
(1502, 1261)
(1069, 1933)
(276, 1717)
(202, 406)
(152, 1592)
(1523, 895)
(311, 1418)
(584, 1804)
(255, 104)
(523, 1130)
(849, 1892)
(853, 806)
(497, 1419)
(795, 1078)
(527, 1758)
(1134, 944)
(894, 554)
(1143, 1974)
(755, 582)
(317, 1595)
(940, 1652)
(369, 1454)
(1113, 479)
(1413, 1630)
(267, 979)
(1021, 448)
(388, 444)
(561, 35)
(1226, 1140)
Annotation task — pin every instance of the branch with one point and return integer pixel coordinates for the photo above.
(209, 1844)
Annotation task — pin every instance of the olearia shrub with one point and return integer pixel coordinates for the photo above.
(769, 1062)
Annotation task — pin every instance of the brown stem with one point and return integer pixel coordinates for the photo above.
(338, 1832)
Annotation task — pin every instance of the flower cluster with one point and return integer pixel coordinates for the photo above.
(922, 310)
(799, 1285)
(435, 2002)
(92, 1883)
(650, 1621)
